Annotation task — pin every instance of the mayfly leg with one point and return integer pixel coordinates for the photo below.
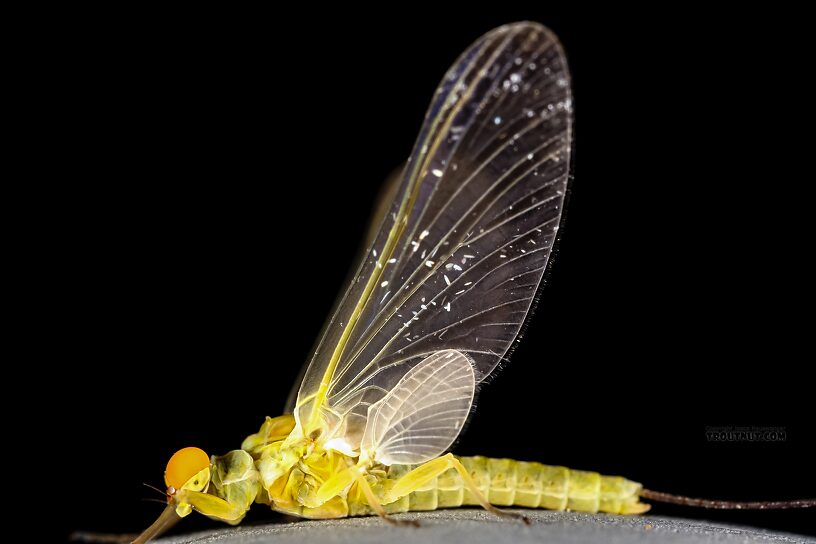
(425, 473)
(476, 492)
(375, 504)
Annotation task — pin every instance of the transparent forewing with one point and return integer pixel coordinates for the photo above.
(458, 259)
(422, 415)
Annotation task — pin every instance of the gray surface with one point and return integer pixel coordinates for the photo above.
(477, 526)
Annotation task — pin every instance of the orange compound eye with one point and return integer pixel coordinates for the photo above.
(185, 463)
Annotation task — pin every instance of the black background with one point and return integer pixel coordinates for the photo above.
(202, 181)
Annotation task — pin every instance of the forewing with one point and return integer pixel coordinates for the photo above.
(422, 415)
(457, 261)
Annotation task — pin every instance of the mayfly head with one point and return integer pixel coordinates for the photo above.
(188, 468)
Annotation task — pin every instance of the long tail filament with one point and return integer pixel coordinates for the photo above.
(725, 505)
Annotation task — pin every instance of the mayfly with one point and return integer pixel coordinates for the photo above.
(439, 298)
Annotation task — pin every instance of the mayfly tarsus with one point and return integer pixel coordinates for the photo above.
(435, 305)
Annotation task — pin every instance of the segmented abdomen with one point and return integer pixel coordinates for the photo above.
(506, 482)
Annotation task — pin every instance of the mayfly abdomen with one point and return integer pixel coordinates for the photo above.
(506, 482)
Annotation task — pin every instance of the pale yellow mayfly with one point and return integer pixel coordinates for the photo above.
(448, 278)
